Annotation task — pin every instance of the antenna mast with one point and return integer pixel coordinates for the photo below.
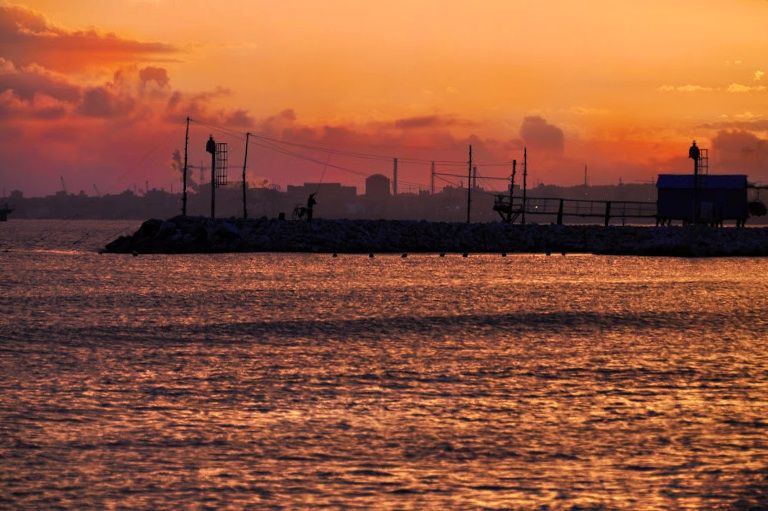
(469, 183)
(394, 176)
(184, 178)
(432, 180)
(245, 162)
(210, 147)
(525, 182)
(512, 189)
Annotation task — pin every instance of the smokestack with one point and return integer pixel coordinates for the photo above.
(394, 177)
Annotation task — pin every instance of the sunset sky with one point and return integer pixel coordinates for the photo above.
(97, 91)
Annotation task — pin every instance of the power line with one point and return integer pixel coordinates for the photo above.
(272, 146)
(452, 183)
(278, 146)
(311, 159)
(353, 154)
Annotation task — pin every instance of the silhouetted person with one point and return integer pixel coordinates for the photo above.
(310, 205)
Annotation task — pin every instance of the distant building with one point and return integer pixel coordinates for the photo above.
(721, 197)
(334, 200)
(328, 191)
(377, 187)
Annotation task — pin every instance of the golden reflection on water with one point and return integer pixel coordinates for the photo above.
(296, 381)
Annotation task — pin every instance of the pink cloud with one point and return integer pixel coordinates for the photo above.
(29, 38)
(539, 135)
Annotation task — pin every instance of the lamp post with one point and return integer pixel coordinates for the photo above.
(695, 154)
(210, 147)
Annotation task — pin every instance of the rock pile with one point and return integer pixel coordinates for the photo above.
(205, 235)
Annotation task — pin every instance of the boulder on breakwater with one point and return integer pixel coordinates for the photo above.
(181, 235)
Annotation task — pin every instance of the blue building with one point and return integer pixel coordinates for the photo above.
(720, 198)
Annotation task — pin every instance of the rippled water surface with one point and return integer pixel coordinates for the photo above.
(274, 381)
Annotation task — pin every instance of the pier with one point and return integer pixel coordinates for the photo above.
(512, 208)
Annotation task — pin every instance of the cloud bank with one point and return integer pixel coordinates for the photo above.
(27, 37)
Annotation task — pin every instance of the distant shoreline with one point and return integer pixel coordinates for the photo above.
(187, 235)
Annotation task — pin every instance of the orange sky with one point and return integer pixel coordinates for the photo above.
(621, 86)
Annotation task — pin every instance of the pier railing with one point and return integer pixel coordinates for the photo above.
(559, 208)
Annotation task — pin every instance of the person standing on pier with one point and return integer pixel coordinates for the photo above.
(310, 205)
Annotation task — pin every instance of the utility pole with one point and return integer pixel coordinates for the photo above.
(394, 176)
(469, 183)
(210, 147)
(512, 189)
(245, 162)
(525, 182)
(184, 179)
(474, 177)
(432, 181)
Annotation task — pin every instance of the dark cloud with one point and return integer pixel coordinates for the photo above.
(274, 125)
(101, 102)
(207, 96)
(154, 74)
(741, 151)
(240, 119)
(428, 121)
(200, 107)
(288, 114)
(26, 37)
(539, 135)
(26, 82)
(50, 113)
(174, 100)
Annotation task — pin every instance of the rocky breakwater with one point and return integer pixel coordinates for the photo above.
(205, 235)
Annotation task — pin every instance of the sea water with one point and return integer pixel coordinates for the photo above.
(292, 381)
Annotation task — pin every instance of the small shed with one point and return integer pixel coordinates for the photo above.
(721, 197)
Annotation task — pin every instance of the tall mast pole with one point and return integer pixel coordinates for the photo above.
(213, 184)
(245, 163)
(697, 203)
(432, 180)
(694, 153)
(512, 189)
(469, 183)
(210, 147)
(525, 181)
(394, 176)
(184, 178)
